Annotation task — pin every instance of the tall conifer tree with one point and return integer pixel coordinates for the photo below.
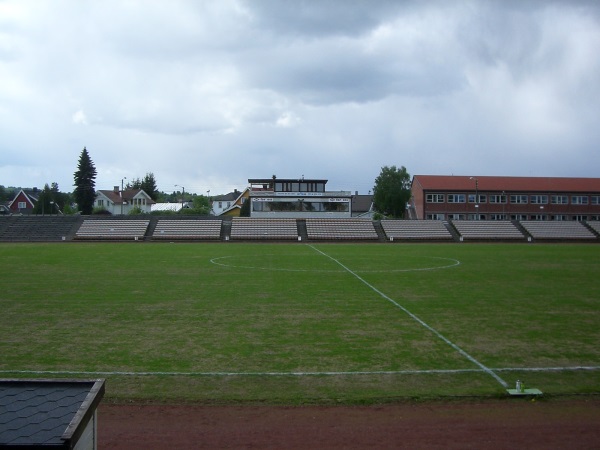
(85, 183)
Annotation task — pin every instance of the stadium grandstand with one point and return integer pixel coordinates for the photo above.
(26, 228)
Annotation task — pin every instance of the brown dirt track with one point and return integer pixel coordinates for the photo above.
(572, 423)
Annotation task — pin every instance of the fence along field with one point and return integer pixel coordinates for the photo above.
(295, 323)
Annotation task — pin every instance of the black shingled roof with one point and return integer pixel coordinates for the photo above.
(46, 413)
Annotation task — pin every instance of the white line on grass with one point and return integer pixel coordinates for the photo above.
(413, 316)
(299, 374)
(453, 262)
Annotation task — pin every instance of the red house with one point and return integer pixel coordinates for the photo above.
(24, 201)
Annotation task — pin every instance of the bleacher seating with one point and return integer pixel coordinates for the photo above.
(187, 229)
(415, 229)
(595, 225)
(557, 230)
(112, 229)
(487, 229)
(259, 228)
(37, 228)
(334, 229)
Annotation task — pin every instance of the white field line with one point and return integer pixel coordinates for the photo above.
(453, 262)
(300, 374)
(416, 318)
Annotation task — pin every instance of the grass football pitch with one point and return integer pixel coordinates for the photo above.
(303, 323)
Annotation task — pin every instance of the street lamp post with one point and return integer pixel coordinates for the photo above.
(182, 195)
(476, 197)
(122, 179)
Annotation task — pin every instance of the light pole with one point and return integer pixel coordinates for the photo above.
(541, 213)
(476, 197)
(122, 179)
(182, 195)
(503, 203)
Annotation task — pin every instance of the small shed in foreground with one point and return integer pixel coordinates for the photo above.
(43, 414)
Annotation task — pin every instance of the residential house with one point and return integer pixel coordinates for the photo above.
(118, 202)
(229, 204)
(24, 201)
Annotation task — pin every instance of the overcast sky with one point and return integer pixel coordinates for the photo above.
(206, 94)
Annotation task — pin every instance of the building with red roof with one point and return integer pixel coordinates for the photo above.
(504, 198)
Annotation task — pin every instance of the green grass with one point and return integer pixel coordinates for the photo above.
(218, 317)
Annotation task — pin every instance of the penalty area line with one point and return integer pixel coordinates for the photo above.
(419, 320)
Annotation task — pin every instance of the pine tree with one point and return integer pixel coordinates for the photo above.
(85, 184)
(148, 184)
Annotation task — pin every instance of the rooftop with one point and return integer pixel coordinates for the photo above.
(46, 413)
(508, 184)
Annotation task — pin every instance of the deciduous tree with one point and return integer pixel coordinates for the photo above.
(391, 192)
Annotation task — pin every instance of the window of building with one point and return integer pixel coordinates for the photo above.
(100, 202)
(559, 217)
(456, 198)
(518, 217)
(476, 217)
(435, 217)
(579, 218)
(497, 216)
(518, 199)
(497, 198)
(595, 199)
(559, 200)
(579, 200)
(434, 198)
(539, 199)
(22, 205)
(482, 198)
(456, 216)
(539, 217)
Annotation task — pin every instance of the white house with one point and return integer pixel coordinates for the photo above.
(228, 204)
(119, 202)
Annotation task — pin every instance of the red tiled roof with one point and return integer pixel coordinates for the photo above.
(508, 184)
